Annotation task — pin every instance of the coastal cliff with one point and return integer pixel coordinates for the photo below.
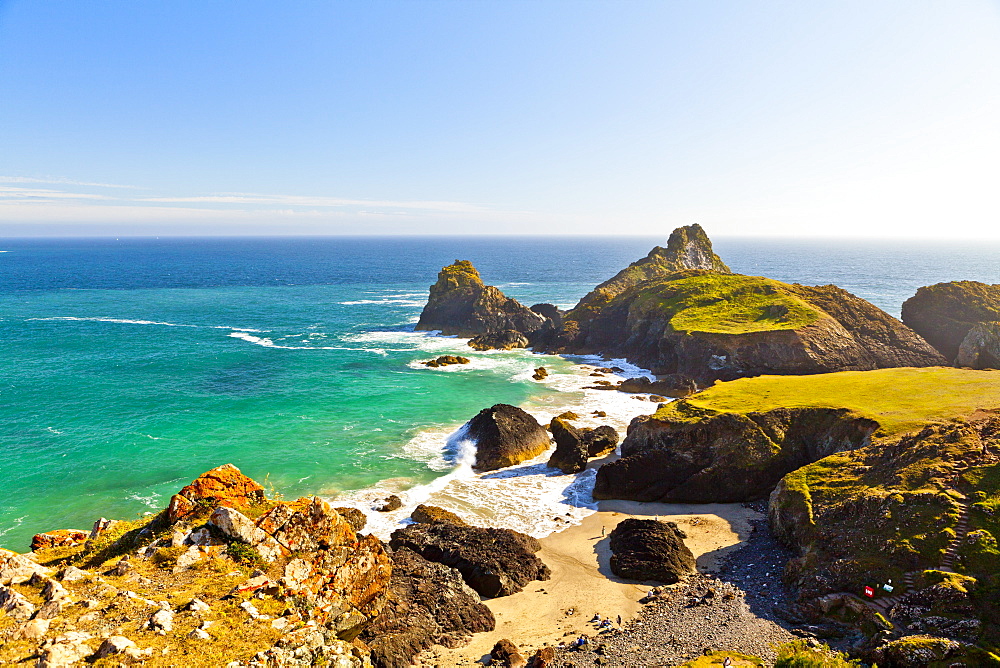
(960, 319)
(460, 304)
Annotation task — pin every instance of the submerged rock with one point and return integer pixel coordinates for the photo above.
(429, 604)
(649, 550)
(460, 304)
(506, 339)
(446, 360)
(390, 503)
(494, 562)
(505, 435)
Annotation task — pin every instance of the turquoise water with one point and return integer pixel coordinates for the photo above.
(130, 367)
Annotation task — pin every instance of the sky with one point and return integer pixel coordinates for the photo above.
(875, 118)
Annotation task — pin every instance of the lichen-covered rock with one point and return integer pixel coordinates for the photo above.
(242, 529)
(460, 304)
(15, 604)
(65, 650)
(570, 455)
(650, 550)
(446, 360)
(494, 562)
(980, 349)
(505, 435)
(310, 646)
(58, 538)
(506, 339)
(429, 604)
(222, 486)
(725, 458)
(16, 568)
(944, 313)
(916, 650)
(425, 514)
(354, 517)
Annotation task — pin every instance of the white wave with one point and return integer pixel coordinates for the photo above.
(53, 430)
(269, 343)
(124, 321)
(151, 500)
(386, 300)
(18, 521)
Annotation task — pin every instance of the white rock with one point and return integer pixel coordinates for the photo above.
(296, 571)
(114, 645)
(64, 651)
(199, 634)
(280, 624)
(15, 604)
(35, 629)
(100, 526)
(197, 605)
(18, 568)
(250, 610)
(162, 621)
(54, 591)
(237, 525)
(74, 574)
(188, 558)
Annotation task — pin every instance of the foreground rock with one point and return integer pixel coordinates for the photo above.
(460, 304)
(429, 604)
(724, 458)
(600, 441)
(506, 339)
(570, 455)
(945, 313)
(680, 311)
(649, 550)
(222, 486)
(505, 435)
(494, 562)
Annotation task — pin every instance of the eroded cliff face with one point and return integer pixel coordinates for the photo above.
(945, 314)
(725, 458)
(460, 304)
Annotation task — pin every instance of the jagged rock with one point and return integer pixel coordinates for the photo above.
(197, 605)
(390, 503)
(241, 528)
(650, 550)
(505, 435)
(980, 349)
(446, 360)
(494, 562)
(508, 654)
(506, 339)
(600, 440)
(460, 304)
(727, 457)
(64, 651)
(541, 373)
(429, 604)
(671, 385)
(123, 566)
(17, 568)
(15, 604)
(114, 645)
(424, 514)
(34, 629)
(102, 525)
(544, 657)
(354, 517)
(73, 574)
(222, 486)
(945, 313)
(58, 538)
(570, 455)
(162, 621)
(310, 646)
(916, 650)
(705, 323)
(552, 314)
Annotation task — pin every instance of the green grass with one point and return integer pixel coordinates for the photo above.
(727, 304)
(900, 400)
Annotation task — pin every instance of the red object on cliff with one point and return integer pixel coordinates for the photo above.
(869, 592)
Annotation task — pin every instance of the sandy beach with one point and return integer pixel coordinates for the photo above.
(582, 581)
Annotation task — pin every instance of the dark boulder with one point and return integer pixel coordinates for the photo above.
(508, 655)
(600, 440)
(390, 503)
(945, 313)
(505, 435)
(494, 562)
(354, 517)
(446, 360)
(506, 339)
(424, 514)
(460, 304)
(429, 604)
(551, 313)
(671, 385)
(541, 373)
(650, 550)
(571, 452)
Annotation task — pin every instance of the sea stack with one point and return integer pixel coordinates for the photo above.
(960, 318)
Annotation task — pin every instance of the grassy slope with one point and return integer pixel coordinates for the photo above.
(899, 399)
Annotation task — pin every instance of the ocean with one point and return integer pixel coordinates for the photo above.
(128, 367)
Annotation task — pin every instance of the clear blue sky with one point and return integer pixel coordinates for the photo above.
(874, 118)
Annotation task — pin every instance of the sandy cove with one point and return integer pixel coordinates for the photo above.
(579, 557)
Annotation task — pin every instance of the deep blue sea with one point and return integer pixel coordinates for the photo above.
(130, 366)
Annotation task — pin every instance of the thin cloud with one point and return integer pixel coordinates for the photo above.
(62, 181)
(318, 201)
(38, 195)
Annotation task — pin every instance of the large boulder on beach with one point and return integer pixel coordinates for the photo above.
(570, 455)
(494, 562)
(505, 435)
(429, 604)
(650, 550)
(600, 441)
(461, 304)
(505, 339)
(945, 313)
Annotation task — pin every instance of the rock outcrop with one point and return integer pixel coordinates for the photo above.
(600, 441)
(650, 550)
(671, 385)
(677, 312)
(505, 339)
(222, 486)
(429, 604)
(446, 360)
(980, 349)
(945, 313)
(424, 514)
(725, 458)
(505, 435)
(494, 562)
(460, 304)
(59, 538)
(570, 455)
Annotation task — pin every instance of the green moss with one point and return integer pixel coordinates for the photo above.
(719, 659)
(962, 583)
(900, 400)
(245, 554)
(726, 304)
(798, 654)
